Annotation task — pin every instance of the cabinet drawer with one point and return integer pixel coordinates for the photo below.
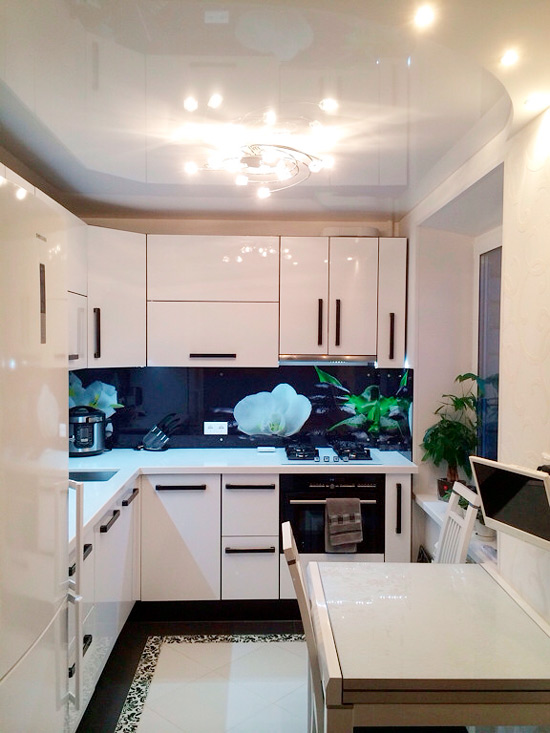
(250, 504)
(212, 334)
(212, 268)
(180, 537)
(250, 567)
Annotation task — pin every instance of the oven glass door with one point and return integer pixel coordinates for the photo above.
(306, 514)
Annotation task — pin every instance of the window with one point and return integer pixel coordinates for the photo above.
(488, 350)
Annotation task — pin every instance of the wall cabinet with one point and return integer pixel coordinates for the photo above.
(180, 536)
(250, 536)
(116, 298)
(213, 268)
(392, 301)
(212, 334)
(328, 299)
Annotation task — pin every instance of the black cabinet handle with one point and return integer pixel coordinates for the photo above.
(398, 509)
(106, 527)
(251, 550)
(392, 335)
(86, 643)
(212, 356)
(42, 275)
(181, 487)
(320, 322)
(73, 357)
(130, 498)
(72, 670)
(251, 487)
(97, 325)
(86, 550)
(338, 320)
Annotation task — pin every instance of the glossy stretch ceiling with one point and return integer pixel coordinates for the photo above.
(93, 93)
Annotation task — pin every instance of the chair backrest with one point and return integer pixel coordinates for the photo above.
(292, 558)
(458, 525)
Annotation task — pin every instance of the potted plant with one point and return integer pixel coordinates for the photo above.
(453, 438)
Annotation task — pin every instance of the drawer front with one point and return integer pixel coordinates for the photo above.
(250, 567)
(250, 504)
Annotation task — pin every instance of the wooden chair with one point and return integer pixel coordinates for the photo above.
(458, 526)
(316, 705)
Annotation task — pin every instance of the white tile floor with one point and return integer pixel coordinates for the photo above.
(225, 687)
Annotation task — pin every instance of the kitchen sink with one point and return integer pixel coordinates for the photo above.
(91, 475)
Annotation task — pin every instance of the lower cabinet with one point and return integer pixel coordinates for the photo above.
(180, 537)
(250, 536)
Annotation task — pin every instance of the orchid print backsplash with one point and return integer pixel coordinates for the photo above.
(260, 406)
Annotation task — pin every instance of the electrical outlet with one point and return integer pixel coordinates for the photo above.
(215, 428)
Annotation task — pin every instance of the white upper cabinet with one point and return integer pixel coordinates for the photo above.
(77, 256)
(116, 298)
(212, 268)
(328, 296)
(392, 301)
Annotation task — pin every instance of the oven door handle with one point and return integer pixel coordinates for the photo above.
(324, 501)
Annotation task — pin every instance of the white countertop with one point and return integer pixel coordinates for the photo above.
(129, 464)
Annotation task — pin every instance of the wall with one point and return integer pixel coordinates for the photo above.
(524, 425)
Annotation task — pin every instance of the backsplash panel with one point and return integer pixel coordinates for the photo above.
(294, 402)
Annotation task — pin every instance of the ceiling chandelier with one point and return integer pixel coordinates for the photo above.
(269, 167)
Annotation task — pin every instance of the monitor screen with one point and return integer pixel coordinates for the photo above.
(514, 500)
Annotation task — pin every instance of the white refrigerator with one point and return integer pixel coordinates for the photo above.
(33, 464)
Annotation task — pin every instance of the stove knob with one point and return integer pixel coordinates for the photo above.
(316, 458)
(326, 459)
(345, 458)
(335, 459)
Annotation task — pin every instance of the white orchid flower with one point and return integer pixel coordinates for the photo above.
(280, 412)
(97, 394)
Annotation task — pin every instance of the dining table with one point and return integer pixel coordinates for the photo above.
(424, 644)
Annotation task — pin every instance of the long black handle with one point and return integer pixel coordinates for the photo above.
(86, 643)
(180, 487)
(392, 335)
(338, 320)
(106, 527)
(86, 551)
(398, 509)
(97, 322)
(130, 498)
(251, 487)
(252, 550)
(42, 274)
(320, 322)
(212, 356)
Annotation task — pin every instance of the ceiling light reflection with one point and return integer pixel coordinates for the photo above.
(424, 16)
(328, 104)
(190, 104)
(215, 101)
(509, 58)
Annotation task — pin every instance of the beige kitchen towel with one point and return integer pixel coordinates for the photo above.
(343, 525)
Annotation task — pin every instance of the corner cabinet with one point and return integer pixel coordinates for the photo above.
(116, 298)
(212, 300)
(328, 296)
(180, 537)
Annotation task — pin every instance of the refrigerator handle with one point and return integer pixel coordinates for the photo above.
(75, 582)
(76, 670)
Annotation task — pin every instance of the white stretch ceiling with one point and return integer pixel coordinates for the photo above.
(92, 98)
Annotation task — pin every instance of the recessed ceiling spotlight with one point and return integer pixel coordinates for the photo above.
(537, 101)
(215, 101)
(264, 192)
(190, 104)
(190, 167)
(509, 58)
(328, 104)
(241, 180)
(424, 16)
(270, 118)
(20, 194)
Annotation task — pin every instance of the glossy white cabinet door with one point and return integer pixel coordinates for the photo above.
(250, 567)
(33, 696)
(250, 504)
(353, 296)
(392, 301)
(217, 268)
(398, 518)
(212, 334)
(116, 298)
(77, 255)
(180, 537)
(78, 331)
(304, 295)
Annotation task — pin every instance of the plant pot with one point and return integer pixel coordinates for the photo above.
(484, 532)
(442, 487)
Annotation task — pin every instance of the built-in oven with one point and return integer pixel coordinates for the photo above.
(303, 499)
